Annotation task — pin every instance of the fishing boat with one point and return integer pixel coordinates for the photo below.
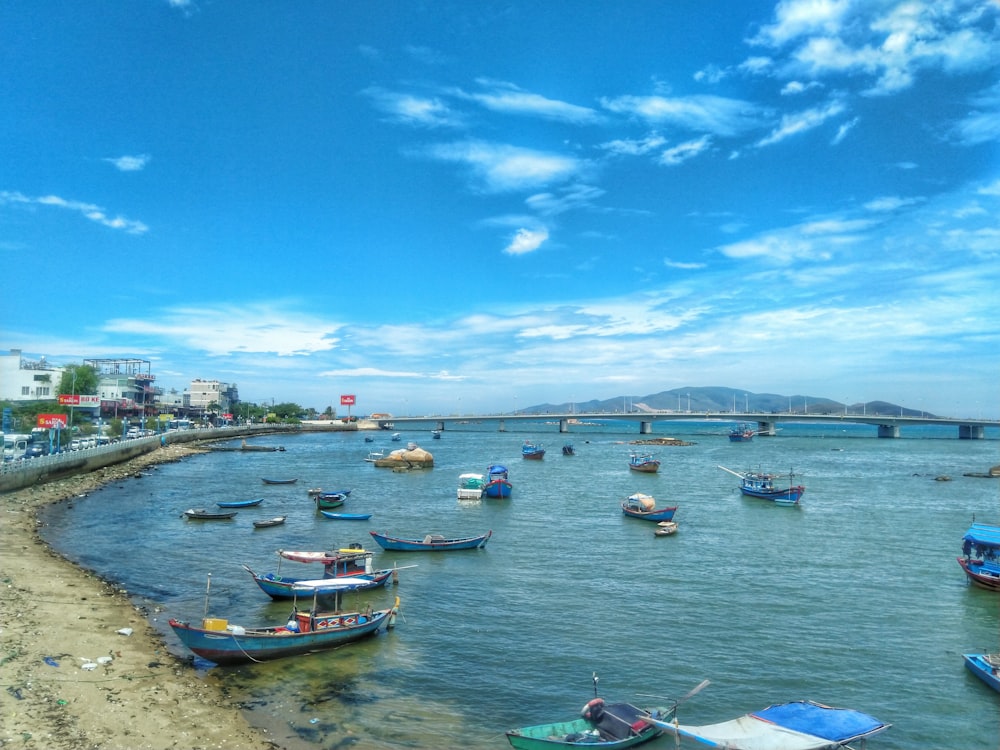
(369, 439)
(430, 543)
(741, 433)
(981, 555)
(497, 482)
(470, 486)
(568, 450)
(986, 667)
(396, 437)
(665, 528)
(203, 514)
(759, 484)
(643, 506)
(306, 631)
(346, 516)
(352, 562)
(279, 481)
(330, 500)
(532, 451)
(643, 463)
(798, 725)
(267, 523)
(354, 559)
(374, 456)
(284, 587)
(240, 503)
(600, 725)
(436, 434)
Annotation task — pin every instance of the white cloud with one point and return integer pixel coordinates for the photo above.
(800, 122)
(701, 113)
(567, 199)
(507, 98)
(684, 151)
(129, 163)
(502, 168)
(88, 210)
(408, 109)
(843, 130)
(890, 203)
(526, 241)
(634, 147)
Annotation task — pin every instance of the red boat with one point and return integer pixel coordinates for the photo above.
(981, 550)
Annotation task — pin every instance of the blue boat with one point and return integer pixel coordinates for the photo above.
(346, 516)
(986, 667)
(306, 631)
(981, 555)
(497, 483)
(532, 451)
(240, 503)
(758, 484)
(798, 725)
(285, 587)
(741, 433)
(644, 507)
(430, 543)
(643, 463)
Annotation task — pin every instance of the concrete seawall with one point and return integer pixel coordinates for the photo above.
(20, 474)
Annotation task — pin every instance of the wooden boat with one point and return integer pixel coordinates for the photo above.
(758, 484)
(346, 516)
(644, 507)
(330, 500)
(240, 503)
(470, 486)
(279, 481)
(497, 482)
(267, 523)
(665, 528)
(741, 433)
(799, 725)
(305, 632)
(430, 543)
(981, 555)
(532, 451)
(344, 561)
(644, 463)
(568, 450)
(202, 514)
(986, 667)
(284, 587)
(600, 725)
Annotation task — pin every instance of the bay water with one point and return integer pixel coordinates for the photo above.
(852, 599)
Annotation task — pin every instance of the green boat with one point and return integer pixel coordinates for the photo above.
(604, 725)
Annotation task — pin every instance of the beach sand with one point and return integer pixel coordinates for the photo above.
(80, 667)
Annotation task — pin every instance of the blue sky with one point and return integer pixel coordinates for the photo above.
(479, 206)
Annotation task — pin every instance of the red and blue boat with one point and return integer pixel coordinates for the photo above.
(532, 451)
(643, 506)
(761, 485)
(497, 482)
(741, 433)
(981, 555)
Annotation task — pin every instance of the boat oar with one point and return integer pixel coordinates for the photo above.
(675, 727)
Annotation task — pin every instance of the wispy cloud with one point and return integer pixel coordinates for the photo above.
(565, 199)
(526, 241)
(410, 109)
(507, 98)
(88, 210)
(634, 146)
(129, 163)
(499, 167)
(700, 113)
(684, 151)
(800, 122)
(982, 124)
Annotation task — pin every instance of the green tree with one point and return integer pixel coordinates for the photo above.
(77, 379)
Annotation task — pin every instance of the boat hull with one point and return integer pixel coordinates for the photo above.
(205, 515)
(329, 502)
(983, 669)
(661, 514)
(981, 574)
(240, 503)
(264, 644)
(429, 544)
(269, 522)
(279, 481)
(498, 488)
(283, 587)
(783, 496)
(346, 516)
(620, 726)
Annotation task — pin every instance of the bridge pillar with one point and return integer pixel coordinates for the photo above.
(888, 431)
(563, 425)
(766, 429)
(502, 426)
(440, 426)
(970, 432)
(645, 428)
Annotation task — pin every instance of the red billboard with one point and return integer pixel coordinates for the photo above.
(347, 400)
(52, 420)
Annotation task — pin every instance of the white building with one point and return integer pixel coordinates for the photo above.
(204, 393)
(26, 380)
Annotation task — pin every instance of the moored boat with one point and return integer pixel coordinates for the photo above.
(470, 486)
(430, 543)
(665, 528)
(981, 555)
(532, 451)
(330, 500)
(284, 587)
(761, 485)
(643, 463)
(643, 506)
(497, 482)
(203, 514)
(269, 522)
(798, 725)
(986, 667)
(279, 481)
(240, 503)
(346, 516)
(741, 433)
(568, 450)
(306, 631)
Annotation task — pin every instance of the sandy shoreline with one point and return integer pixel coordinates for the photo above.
(68, 678)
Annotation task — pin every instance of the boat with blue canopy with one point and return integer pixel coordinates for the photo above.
(497, 482)
(981, 555)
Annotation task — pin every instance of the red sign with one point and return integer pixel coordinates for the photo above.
(79, 399)
(227, 416)
(52, 420)
(68, 400)
(347, 400)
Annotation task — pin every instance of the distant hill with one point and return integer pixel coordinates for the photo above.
(725, 400)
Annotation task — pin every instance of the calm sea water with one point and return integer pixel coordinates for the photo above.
(853, 599)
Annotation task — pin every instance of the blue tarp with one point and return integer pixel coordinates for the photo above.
(983, 535)
(835, 724)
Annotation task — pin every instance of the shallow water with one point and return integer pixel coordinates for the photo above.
(853, 599)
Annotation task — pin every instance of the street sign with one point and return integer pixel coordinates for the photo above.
(52, 421)
(347, 400)
(68, 399)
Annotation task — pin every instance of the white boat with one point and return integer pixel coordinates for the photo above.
(374, 456)
(470, 486)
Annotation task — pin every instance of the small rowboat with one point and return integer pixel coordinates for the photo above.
(986, 667)
(329, 500)
(346, 516)
(280, 481)
(665, 528)
(431, 542)
(201, 514)
(240, 503)
(268, 522)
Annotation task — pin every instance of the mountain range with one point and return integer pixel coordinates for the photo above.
(725, 400)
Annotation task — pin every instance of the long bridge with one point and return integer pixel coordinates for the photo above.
(767, 424)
